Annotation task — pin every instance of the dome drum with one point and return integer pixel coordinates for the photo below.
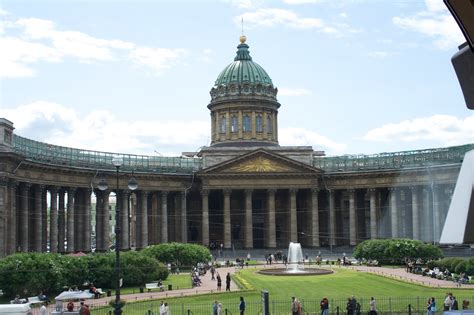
(237, 91)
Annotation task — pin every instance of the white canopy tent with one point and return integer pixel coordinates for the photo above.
(74, 295)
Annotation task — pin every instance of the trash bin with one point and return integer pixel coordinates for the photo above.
(141, 289)
(109, 292)
(170, 287)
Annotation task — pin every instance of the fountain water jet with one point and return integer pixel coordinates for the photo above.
(295, 265)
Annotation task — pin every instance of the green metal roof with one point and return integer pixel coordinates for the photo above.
(243, 70)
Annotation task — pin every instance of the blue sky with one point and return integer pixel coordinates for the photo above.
(361, 76)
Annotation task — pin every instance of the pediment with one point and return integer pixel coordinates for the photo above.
(261, 162)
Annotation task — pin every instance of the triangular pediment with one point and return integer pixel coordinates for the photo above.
(261, 162)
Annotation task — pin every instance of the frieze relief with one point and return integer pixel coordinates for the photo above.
(260, 164)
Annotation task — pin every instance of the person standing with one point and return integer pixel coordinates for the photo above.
(227, 282)
(242, 306)
(431, 306)
(219, 282)
(166, 309)
(213, 271)
(219, 309)
(324, 306)
(349, 307)
(295, 306)
(447, 302)
(454, 304)
(373, 307)
(43, 310)
(214, 307)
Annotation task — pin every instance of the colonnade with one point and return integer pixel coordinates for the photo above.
(60, 219)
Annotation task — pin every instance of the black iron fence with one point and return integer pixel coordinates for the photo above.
(385, 306)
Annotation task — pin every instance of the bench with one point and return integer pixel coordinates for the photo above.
(154, 285)
(99, 291)
(34, 300)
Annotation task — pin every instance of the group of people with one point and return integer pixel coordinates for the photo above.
(83, 308)
(164, 308)
(216, 276)
(217, 308)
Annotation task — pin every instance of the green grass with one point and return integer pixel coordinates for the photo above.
(337, 287)
(181, 281)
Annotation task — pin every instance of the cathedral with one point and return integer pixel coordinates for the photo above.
(244, 190)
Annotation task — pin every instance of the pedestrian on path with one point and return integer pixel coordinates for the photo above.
(219, 282)
(227, 282)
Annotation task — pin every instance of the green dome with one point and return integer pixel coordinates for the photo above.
(243, 70)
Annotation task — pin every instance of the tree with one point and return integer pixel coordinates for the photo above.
(179, 254)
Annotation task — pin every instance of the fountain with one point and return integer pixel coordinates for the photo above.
(295, 266)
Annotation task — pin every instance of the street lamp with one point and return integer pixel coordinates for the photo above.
(117, 161)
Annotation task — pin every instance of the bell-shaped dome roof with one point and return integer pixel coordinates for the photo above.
(243, 69)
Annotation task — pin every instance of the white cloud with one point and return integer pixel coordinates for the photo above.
(156, 58)
(445, 129)
(295, 2)
(39, 40)
(343, 15)
(378, 54)
(101, 130)
(300, 137)
(271, 17)
(293, 91)
(435, 22)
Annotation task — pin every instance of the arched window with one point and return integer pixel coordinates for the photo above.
(247, 124)
(269, 124)
(233, 127)
(258, 123)
(223, 125)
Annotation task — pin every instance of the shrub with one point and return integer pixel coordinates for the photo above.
(179, 254)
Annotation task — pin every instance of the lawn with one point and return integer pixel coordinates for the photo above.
(390, 294)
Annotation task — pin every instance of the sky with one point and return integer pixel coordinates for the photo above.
(354, 77)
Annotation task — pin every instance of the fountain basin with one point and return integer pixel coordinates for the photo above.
(291, 272)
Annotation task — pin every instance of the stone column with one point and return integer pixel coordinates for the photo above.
(53, 217)
(184, 218)
(352, 218)
(12, 222)
(164, 217)
(70, 219)
(373, 213)
(436, 213)
(105, 224)
(125, 215)
(44, 219)
(227, 222)
(394, 211)
(38, 219)
(3, 216)
(415, 213)
(99, 216)
(271, 223)
(314, 218)
(427, 226)
(248, 219)
(205, 217)
(24, 215)
(293, 217)
(87, 220)
(78, 219)
(61, 221)
(332, 218)
(144, 219)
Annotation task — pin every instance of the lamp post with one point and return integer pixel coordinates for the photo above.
(117, 161)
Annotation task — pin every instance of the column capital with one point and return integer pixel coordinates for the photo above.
(26, 185)
(351, 191)
(12, 183)
(53, 189)
(414, 188)
(144, 192)
(372, 190)
(293, 191)
(271, 191)
(39, 187)
(205, 192)
(394, 189)
(164, 193)
(248, 191)
(315, 190)
(71, 190)
(227, 192)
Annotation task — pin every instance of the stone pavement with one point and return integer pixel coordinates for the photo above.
(401, 274)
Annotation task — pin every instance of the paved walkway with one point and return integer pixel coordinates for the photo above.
(401, 274)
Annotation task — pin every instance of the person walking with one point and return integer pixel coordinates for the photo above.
(219, 282)
(242, 306)
(372, 307)
(227, 282)
(213, 271)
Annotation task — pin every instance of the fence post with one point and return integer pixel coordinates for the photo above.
(189, 312)
(337, 310)
(390, 304)
(225, 312)
(418, 304)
